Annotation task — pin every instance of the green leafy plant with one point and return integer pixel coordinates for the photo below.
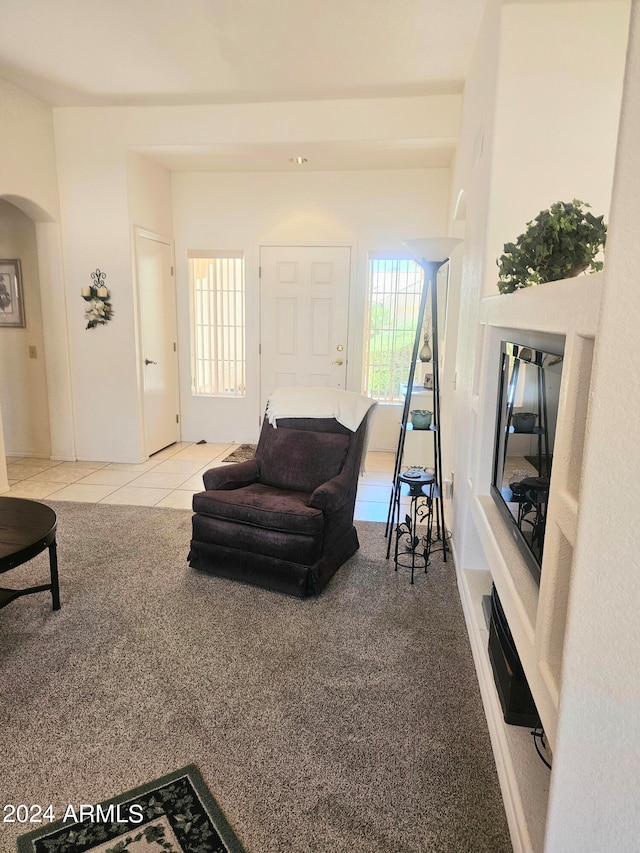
(561, 242)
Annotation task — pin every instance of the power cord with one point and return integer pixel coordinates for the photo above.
(539, 740)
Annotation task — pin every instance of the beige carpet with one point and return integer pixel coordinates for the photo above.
(351, 722)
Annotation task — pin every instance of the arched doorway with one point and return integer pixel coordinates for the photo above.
(35, 384)
(23, 379)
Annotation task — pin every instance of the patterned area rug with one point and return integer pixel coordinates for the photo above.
(242, 453)
(175, 814)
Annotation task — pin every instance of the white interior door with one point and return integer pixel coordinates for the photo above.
(304, 316)
(159, 342)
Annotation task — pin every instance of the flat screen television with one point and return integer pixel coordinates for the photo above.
(528, 400)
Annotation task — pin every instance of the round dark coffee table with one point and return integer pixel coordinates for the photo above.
(26, 529)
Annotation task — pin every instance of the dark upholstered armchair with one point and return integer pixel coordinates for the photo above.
(283, 520)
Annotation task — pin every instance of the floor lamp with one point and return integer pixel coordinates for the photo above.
(431, 253)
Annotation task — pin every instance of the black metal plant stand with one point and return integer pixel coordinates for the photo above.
(413, 547)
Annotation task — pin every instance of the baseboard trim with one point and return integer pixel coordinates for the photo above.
(25, 454)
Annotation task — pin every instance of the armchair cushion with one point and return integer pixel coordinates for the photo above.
(301, 460)
(263, 507)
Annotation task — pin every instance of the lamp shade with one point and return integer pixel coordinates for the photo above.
(434, 250)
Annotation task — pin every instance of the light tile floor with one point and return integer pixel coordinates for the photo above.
(168, 479)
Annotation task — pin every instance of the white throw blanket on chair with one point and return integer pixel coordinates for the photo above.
(347, 407)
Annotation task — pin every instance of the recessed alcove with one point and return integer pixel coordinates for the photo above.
(559, 317)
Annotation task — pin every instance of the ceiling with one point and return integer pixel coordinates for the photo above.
(177, 52)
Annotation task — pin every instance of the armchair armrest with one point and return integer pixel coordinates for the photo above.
(330, 496)
(231, 476)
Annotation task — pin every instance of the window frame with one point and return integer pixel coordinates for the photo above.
(204, 351)
(401, 330)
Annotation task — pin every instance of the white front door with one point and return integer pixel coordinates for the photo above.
(159, 342)
(304, 316)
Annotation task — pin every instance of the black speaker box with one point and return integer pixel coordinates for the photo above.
(517, 702)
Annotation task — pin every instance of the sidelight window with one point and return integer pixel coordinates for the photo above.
(218, 343)
(393, 306)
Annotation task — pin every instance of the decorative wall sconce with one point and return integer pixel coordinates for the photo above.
(99, 310)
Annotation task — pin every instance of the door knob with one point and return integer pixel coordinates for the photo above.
(338, 362)
(147, 361)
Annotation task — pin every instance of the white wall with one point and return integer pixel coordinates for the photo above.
(596, 786)
(94, 171)
(23, 381)
(559, 84)
(27, 155)
(28, 180)
(106, 192)
(149, 190)
(365, 210)
(526, 140)
(97, 235)
(472, 176)
(554, 136)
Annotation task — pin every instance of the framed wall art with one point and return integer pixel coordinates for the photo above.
(11, 296)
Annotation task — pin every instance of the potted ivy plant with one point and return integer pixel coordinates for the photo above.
(561, 242)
